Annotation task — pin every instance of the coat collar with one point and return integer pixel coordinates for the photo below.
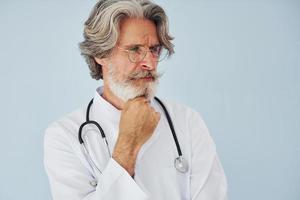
(106, 115)
(103, 109)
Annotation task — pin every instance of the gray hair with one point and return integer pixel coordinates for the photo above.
(101, 30)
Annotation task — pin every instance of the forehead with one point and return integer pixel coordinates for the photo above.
(137, 31)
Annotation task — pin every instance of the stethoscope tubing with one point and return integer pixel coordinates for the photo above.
(170, 125)
(179, 159)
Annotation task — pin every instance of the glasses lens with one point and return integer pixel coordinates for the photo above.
(159, 53)
(163, 53)
(137, 54)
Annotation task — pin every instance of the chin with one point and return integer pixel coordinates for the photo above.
(126, 91)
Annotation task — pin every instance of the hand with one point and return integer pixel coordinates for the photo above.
(137, 124)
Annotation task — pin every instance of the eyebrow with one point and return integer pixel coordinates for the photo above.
(134, 45)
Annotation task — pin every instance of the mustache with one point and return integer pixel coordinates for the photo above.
(144, 74)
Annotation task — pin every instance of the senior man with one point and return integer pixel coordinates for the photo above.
(128, 144)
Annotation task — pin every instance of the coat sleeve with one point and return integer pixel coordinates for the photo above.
(208, 180)
(69, 178)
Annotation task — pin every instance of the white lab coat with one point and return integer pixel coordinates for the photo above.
(71, 176)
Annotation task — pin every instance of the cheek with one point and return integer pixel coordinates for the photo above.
(123, 68)
(130, 68)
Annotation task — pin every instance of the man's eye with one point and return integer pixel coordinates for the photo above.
(134, 49)
(155, 49)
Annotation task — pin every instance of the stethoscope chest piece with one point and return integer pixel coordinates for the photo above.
(93, 183)
(181, 164)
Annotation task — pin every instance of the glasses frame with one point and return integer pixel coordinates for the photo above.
(144, 53)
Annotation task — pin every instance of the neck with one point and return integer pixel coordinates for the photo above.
(112, 98)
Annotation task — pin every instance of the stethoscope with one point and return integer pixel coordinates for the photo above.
(180, 163)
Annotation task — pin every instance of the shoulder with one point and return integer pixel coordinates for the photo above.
(65, 127)
(186, 119)
(180, 111)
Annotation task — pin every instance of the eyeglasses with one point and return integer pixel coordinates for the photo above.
(138, 52)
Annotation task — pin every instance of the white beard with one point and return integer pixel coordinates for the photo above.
(126, 90)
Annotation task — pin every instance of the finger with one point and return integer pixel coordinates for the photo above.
(157, 116)
(152, 109)
(137, 100)
(154, 113)
(140, 98)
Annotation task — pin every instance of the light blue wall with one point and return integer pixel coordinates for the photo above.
(236, 62)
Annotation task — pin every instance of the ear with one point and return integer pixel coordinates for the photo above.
(104, 64)
(101, 61)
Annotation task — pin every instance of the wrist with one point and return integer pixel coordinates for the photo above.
(127, 162)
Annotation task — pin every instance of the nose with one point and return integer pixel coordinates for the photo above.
(148, 63)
